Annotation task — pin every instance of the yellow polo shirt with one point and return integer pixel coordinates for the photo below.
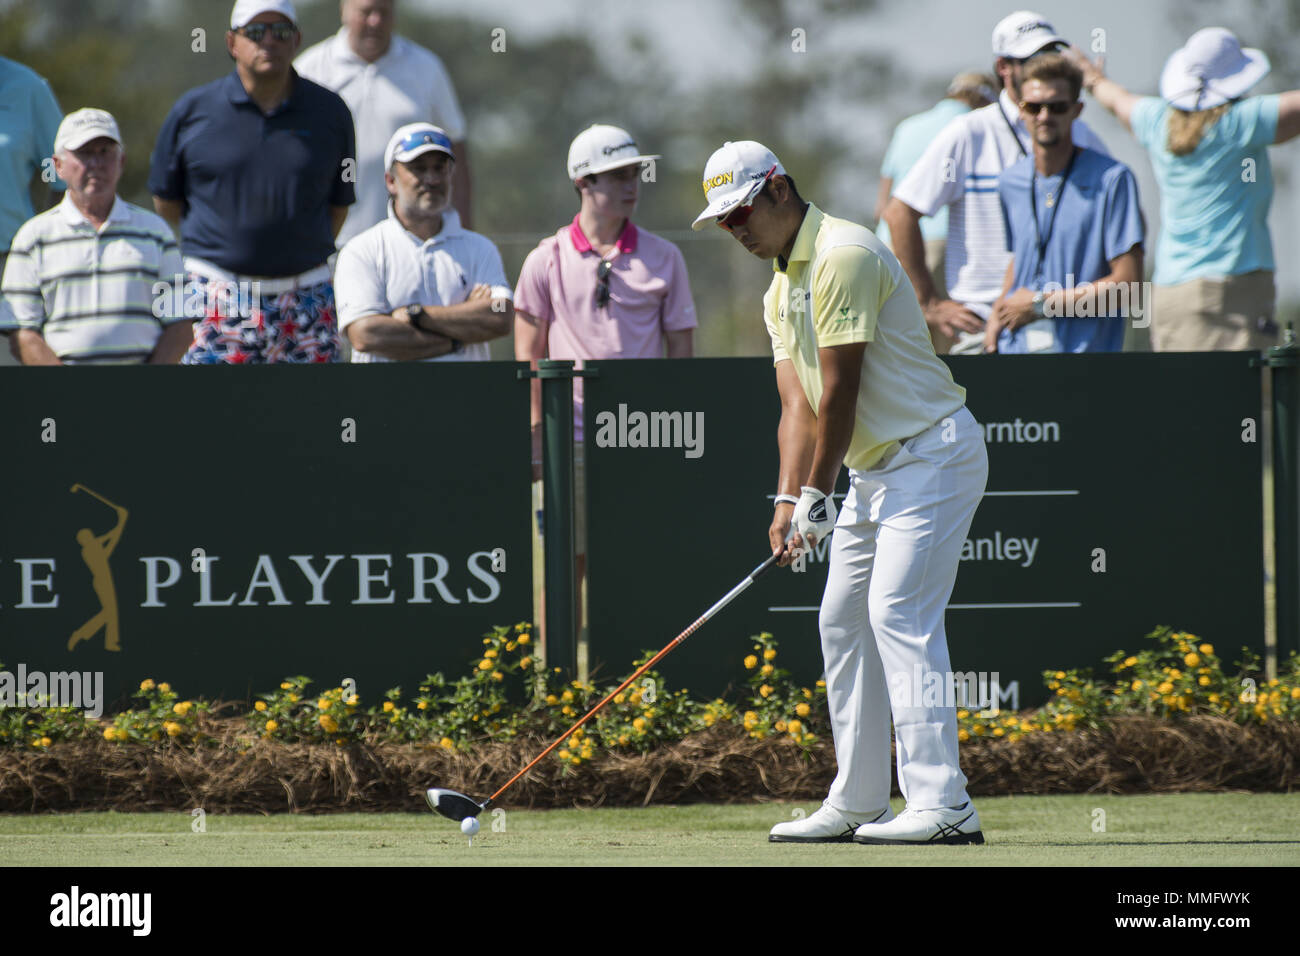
(859, 293)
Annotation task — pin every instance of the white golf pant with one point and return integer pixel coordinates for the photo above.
(894, 557)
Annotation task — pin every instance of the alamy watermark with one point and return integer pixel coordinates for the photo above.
(197, 299)
(1117, 300)
(636, 429)
(971, 689)
(83, 690)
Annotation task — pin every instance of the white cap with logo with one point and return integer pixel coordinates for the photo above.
(598, 149)
(79, 128)
(1211, 69)
(416, 139)
(734, 176)
(246, 10)
(1022, 34)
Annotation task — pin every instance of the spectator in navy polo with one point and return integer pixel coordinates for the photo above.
(257, 170)
(418, 286)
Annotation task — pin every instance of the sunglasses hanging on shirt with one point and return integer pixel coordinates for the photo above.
(602, 283)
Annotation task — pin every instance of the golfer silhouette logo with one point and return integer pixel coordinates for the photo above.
(95, 551)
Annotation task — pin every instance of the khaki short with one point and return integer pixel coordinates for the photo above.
(1232, 314)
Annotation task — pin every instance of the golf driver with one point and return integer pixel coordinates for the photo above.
(457, 806)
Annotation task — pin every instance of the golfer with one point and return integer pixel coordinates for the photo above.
(860, 385)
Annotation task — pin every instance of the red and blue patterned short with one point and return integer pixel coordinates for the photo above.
(239, 329)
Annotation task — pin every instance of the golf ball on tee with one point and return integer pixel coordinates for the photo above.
(469, 826)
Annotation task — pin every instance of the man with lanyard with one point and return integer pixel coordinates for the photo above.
(1075, 268)
(960, 170)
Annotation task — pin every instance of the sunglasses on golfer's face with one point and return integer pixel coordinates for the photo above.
(740, 215)
(281, 32)
(602, 283)
(1055, 107)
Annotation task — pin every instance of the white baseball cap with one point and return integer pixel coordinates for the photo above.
(416, 139)
(734, 176)
(1022, 34)
(598, 149)
(79, 128)
(246, 10)
(1209, 70)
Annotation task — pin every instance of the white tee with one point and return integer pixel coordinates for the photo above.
(387, 268)
(408, 84)
(960, 170)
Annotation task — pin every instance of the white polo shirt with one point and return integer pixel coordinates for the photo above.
(91, 293)
(387, 268)
(960, 170)
(408, 84)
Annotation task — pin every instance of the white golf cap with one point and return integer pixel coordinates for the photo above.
(79, 128)
(598, 149)
(734, 176)
(1210, 70)
(246, 10)
(416, 139)
(1022, 34)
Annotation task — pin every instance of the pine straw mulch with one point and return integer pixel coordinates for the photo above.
(242, 775)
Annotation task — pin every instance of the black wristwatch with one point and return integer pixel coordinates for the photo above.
(413, 314)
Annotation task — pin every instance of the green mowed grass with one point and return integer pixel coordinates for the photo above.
(1155, 830)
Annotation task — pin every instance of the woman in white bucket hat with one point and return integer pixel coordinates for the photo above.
(1208, 143)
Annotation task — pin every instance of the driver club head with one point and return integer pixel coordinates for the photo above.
(452, 805)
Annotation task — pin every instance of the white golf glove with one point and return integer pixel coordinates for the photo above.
(814, 516)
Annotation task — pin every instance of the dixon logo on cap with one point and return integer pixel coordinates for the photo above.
(722, 179)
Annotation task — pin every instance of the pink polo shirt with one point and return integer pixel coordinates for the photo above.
(649, 294)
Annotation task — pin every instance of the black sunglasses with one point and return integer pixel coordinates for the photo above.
(1055, 107)
(602, 283)
(283, 32)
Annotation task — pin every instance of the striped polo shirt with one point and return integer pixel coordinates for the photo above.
(95, 296)
(960, 170)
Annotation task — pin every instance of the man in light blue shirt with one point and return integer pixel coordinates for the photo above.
(28, 122)
(29, 118)
(1074, 229)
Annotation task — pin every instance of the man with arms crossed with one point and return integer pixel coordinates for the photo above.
(417, 286)
(860, 385)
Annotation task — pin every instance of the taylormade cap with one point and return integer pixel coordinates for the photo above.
(734, 176)
(598, 149)
(246, 10)
(79, 128)
(1209, 70)
(416, 139)
(1022, 34)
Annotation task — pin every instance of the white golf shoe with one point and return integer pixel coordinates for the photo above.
(827, 825)
(949, 825)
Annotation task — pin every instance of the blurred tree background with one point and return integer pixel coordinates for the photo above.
(523, 106)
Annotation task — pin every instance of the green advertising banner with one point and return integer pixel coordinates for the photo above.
(1124, 493)
(222, 528)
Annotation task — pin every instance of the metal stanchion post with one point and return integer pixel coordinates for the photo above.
(1284, 364)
